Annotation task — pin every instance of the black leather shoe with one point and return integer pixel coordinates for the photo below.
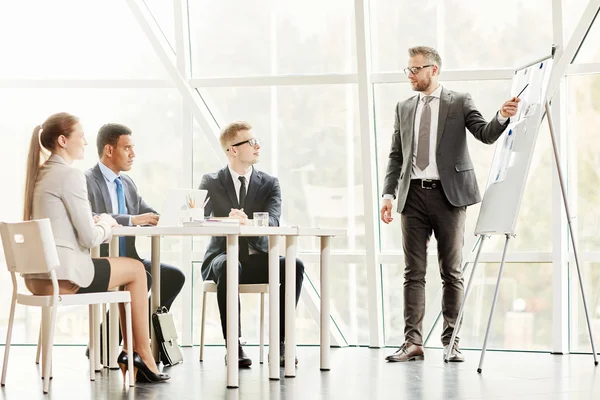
(282, 355)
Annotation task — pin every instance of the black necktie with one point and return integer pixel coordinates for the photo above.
(242, 191)
(243, 243)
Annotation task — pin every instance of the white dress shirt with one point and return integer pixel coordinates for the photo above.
(431, 171)
(109, 177)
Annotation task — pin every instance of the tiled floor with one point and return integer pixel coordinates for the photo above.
(357, 373)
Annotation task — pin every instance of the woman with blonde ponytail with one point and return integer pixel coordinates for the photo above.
(56, 190)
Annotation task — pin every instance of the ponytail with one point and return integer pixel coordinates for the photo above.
(33, 169)
(43, 140)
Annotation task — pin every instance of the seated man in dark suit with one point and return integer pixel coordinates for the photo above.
(114, 193)
(238, 191)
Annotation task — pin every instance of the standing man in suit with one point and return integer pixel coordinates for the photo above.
(238, 191)
(114, 193)
(431, 175)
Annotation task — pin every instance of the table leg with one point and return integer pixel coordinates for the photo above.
(113, 351)
(290, 306)
(155, 297)
(274, 307)
(325, 296)
(232, 311)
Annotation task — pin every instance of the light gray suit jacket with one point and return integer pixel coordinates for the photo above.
(457, 112)
(60, 194)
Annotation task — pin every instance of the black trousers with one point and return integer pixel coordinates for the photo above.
(254, 269)
(428, 211)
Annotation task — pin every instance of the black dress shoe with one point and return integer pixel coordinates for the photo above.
(243, 360)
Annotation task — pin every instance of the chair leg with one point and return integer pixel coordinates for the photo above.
(92, 349)
(39, 346)
(129, 331)
(104, 338)
(47, 347)
(8, 339)
(262, 327)
(96, 337)
(44, 329)
(202, 326)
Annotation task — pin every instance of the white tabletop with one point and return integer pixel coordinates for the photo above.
(225, 229)
(302, 231)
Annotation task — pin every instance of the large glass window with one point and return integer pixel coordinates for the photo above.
(71, 39)
(584, 117)
(261, 37)
(468, 34)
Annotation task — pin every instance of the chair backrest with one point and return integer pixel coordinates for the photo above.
(29, 246)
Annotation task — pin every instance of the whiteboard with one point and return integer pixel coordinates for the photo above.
(514, 151)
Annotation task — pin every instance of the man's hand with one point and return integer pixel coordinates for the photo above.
(145, 219)
(510, 107)
(239, 214)
(386, 211)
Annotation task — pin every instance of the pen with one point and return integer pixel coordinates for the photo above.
(205, 202)
(521, 92)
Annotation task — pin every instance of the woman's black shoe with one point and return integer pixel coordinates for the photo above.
(141, 372)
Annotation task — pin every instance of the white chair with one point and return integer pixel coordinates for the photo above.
(211, 287)
(29, 248)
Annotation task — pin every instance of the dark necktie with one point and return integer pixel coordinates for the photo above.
(243, 243)
(424, 134)
(242, 191)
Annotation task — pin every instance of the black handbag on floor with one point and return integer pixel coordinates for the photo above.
(166, 335)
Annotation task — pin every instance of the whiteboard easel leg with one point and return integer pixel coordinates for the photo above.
(572, 234)
(487, 331)
(462, 306)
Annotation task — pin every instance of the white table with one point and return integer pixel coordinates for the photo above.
(232, 232)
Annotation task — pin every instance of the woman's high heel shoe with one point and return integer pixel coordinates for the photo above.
(123, 361)
(141, 372)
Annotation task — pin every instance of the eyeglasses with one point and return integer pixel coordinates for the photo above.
(252, 142)
(415, 70)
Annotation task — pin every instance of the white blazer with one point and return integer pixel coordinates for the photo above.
(60, 194)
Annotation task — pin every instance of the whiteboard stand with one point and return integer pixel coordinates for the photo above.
(487, 331)
(571, 232)
(508, 237)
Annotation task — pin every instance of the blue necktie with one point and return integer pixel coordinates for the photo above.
(122, 210)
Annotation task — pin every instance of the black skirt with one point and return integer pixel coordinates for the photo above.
(101, 277)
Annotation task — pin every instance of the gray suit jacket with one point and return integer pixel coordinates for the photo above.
(99, 199)
(60, 194)
(457, 112)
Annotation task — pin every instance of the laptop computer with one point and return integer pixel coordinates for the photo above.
(180, 200)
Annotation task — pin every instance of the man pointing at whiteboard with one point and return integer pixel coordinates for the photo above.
(431, 175)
